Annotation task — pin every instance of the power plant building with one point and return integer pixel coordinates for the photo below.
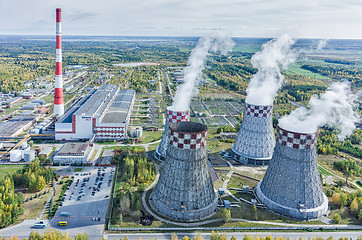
(74, 154)
(184, 190)
(255, 141)
(102, 114)
(291, 185)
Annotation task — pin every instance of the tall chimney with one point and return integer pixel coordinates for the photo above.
(184, 190)
(172, 116)
(291, 185)
(255, 141)
(58, 91)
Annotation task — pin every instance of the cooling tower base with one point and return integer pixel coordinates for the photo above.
(158, 155)
(183, 215)
(252, 161)
(300, 214)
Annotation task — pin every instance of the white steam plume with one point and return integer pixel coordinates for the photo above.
(334, 107)
(322, 44)
(195, 65)
(274, 56)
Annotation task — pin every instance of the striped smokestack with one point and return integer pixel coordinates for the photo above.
(58, 91)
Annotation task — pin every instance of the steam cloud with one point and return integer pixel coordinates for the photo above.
(334, 107)
(322, 44)
(195, 65)
(274, 56)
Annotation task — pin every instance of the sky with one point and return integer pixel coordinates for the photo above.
(241, 18)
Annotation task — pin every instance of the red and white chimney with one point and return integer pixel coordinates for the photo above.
(58, 91)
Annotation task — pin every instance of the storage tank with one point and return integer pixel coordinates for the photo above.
(24, 145)
(29, 155)
(15, 156)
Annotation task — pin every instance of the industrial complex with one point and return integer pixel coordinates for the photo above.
(103, 135)
(104, 113)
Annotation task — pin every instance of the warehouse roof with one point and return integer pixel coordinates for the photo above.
(120, 107)
(73, 149)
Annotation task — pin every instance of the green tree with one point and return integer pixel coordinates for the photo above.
(174, 236)
(354, 206)
(81, 236)
(337, 218)
(225, 215)
(40, 184)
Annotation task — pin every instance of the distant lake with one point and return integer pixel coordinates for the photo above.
(135, 64)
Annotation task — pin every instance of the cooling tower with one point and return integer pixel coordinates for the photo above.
(184, 190)
(255, 141)
(58, 91)
(291, 185)
(171, 117)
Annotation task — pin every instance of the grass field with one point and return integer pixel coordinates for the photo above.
(217, 146)
(5, 169)
(34, 207)
(297, 70)
(149, 136)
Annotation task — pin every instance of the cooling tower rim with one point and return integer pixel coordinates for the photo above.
(258, 105)
(202, 128)
(247, 156)
(313, 134)
(169, 108)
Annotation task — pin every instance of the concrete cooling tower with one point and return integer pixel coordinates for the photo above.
(172, 116)
(291, 185)
(184, 190)
(255, 141)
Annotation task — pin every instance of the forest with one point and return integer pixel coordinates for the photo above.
(32, 176)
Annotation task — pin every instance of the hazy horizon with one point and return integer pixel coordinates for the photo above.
(316, 19)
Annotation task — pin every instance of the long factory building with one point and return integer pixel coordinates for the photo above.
(103, 114)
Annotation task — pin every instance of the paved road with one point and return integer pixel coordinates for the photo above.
(238, 235)
(23, 230)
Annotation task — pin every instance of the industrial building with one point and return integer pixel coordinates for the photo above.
(172, 116)
(184, 190)
(291, 185)
(45, 152)
(18, 124)
(104, 113)
(255, 141)
(74, 154)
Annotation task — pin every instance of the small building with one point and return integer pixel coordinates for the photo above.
(30, 106)
(45, 152)
(245, 189)
(135, 132)
(230, 135)
(40, 110)
(74, 154)
(221, 191)
(227, 204)
(27, 95)
(39, 101)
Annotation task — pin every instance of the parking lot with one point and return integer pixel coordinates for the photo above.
(86, 200)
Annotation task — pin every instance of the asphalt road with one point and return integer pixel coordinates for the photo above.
(23, 230)
(240, 235)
